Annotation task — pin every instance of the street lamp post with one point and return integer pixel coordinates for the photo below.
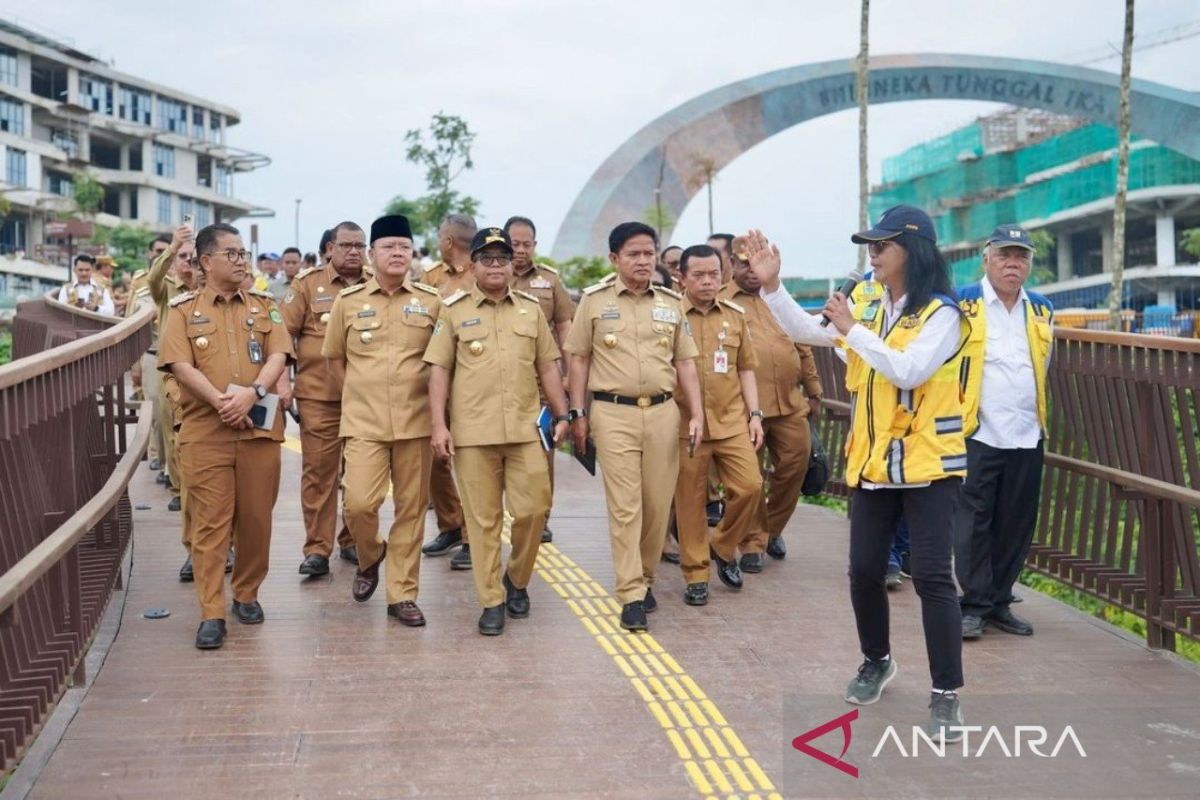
(296, 241)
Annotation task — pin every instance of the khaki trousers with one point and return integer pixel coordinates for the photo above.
(321, 458)
(153, 394)
(784, 463)
(447, 506)
(737, 466)
(490, 476)
(245, 472)
(370, 468)
(638, 452)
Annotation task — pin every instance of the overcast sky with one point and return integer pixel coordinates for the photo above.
(552, 87)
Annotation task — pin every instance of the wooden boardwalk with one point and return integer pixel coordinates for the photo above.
(332, 699)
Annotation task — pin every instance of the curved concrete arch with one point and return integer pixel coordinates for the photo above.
(726, 122)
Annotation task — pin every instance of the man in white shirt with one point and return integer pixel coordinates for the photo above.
(85, 293)
(1004, 418)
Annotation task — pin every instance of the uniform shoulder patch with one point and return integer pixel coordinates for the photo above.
(260, 293)
(671, 292)
(604, 283)
(548, 268)
(454, 298)
(306, 271)
(733, 305)
(352, 289)
(142, 291)
(182, 298)
(140, 273)
(526, 295)
(431, 267)
(424, 287)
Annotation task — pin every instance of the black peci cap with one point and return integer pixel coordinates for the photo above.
(895, 221)
(391, 225)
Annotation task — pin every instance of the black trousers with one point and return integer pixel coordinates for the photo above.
(930, 513)
(996, 523)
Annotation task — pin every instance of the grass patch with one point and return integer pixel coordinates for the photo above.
(836, 503)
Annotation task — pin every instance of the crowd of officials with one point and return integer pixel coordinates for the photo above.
(687, 373)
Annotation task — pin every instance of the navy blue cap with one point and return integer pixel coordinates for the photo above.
(1011, 236)
(489, 236)
(895, 221)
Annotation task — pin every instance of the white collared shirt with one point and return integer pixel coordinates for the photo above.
(84, 292)
(1008, 410)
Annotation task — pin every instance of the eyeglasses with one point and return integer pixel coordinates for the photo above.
(494, 261)
(233, 256)
(350, 246)
(875, 248)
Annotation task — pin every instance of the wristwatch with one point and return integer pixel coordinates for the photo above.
(259, 390)
(756, 413)
(562, 418)
(575, 413)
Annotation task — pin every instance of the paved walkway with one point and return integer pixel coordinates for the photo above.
(332, 699)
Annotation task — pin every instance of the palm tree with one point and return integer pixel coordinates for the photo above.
(1118, 257)
(861, 89)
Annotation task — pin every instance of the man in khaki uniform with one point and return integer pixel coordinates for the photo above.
(783, 368)
(306, 311)
(488, 351)
(629, 345)
(544, 283)
(375, 341)
(139, 283)
(451, 274)
(225, 346)
(732, 430)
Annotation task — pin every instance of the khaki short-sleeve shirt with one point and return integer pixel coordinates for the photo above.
(306, 309)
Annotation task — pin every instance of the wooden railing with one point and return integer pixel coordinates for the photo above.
(65, 520)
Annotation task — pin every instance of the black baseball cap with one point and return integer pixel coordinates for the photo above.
(488, 236)
(1011, 236)
(895, 221)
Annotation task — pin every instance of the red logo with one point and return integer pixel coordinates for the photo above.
(801, 743)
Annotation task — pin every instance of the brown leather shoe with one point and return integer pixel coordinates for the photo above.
(365, 580)
(407, 612)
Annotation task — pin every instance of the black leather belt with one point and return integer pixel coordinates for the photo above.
(641, 401)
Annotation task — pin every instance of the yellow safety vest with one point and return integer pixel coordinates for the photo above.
(904, 436)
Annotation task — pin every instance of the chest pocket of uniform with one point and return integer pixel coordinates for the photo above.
(364, 335)
(525, 331)
(473, 344)
(262, 328)
(418, 328)
(319, 309)
(609, 325)
(203, 338)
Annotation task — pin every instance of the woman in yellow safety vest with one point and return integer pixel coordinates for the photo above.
(905, 454)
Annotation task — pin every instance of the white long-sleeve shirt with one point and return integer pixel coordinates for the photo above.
(1008, 408)
(85, 292)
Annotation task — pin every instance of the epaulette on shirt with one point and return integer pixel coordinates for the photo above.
(142, 292)
(604, 282)
(262, 294)
(733, 305)
(671, 292)
(454, 298)
(548, 268)
(424, 287)
(305, 271)
(431, 267)
(526, 295)
(181, 298)
(140, 273)
(351, 289)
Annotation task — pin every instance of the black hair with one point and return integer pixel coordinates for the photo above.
(626, 231)
(520, 221)
(343, 226)
(310, 258)
(295, 250)
(925, 272)
(697, 251)
(668, 249)
(424, 252)
(162, 237)
(87, 259)
(206, 239)
(727, 238)
(664, 276)
(326, 238)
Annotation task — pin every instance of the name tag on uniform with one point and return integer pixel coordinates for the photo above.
(611, 315)
(198, 320)
(323, 298)
(539, 283)
(661, 314)
(469, 323)
(256, 352)
(720, 361)
(370, 312)
(416, 310)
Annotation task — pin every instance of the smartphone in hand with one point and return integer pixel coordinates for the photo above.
(691, 445)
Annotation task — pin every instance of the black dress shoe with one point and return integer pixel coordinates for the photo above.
(972, 626)
(462, 559)
(633, 616)
(248, 613)
(366, 580)
(728, 571)
(491, 621)
(155, 465)
(176, 504)
(1007, 621)
(229, 562)
(715, 511)
(696, 594)
(349, 554)
(752, 562)
(185, 572)
(650, 604)
(671, 558)
(315, 565)
(161, 479)
(444, 543)
(547, 535)
(407, 612)
(776, 548)
(515, 600)
(211, 634)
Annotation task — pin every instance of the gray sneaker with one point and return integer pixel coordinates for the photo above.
(945, 717)
(869, 682)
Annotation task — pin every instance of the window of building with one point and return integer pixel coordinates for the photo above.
(14, 167)
(186, 207)
(224, 181)
(135, 157)
(13, 234)
(164, 207)
(104, 153)
(8, 66)
(203, 215)
(12, 116)
(164, 160)
(214, 127)
(47, 79)
(204, 166)
(198, 123)
(65, 141)
(133, 203)
(60, 184)
(172, 116)
(134, 106)
(112, 201)
(96, 94)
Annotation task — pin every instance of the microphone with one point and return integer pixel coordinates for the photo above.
(846, 288)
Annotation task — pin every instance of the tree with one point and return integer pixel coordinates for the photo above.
(417, 211)
(861, 89)
(87, 192)
(1118, 262)
(659, 217)
(1191, 242)
(445, 154)
(127, 244)
(580, 271)
(1044, 269)
(705, 167)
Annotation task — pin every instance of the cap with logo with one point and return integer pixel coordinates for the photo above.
(740, 247)
(1011, 236)
(895, 221)
(490, 236)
